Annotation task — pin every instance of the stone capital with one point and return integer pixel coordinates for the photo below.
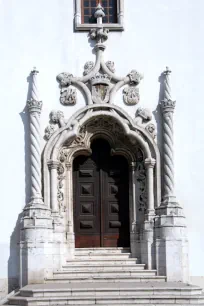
(68, 166)
(34, 106)
(53, 164)
(168, 106)
(150, 163)
(133, 166)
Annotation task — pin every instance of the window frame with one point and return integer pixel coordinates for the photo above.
(119, 26)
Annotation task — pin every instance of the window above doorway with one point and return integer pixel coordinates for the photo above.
(85, 9)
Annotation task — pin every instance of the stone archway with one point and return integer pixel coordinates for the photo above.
(125, 138)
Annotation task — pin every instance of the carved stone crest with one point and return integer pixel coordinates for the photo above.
(131, 95)
(100, 88)
(68, 96)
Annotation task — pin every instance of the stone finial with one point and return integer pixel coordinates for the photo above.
(167, 102)
(34, 90)
(99, 13)
(34, 104)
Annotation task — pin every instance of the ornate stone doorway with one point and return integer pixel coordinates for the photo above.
(101, 198)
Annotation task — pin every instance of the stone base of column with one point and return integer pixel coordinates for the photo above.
(44, 246)
(171, 247)
(135, 245)
(148, 245)
(169, 206)
(36, 201)
(150, 214)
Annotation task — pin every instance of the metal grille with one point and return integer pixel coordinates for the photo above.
(89, 6)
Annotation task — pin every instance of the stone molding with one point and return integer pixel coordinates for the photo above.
(150, 162)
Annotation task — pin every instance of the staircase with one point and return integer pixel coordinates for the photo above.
(107, 276)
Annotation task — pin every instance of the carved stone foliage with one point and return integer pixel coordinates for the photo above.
(64, 79)
(99, 34)
(49, 130)
(151, 128)
(68, 96)
(88, 67)
(60, 192)
(135, 77)
(111, 66)
(142, 182)
(56, 118)
(142, 118)
(131, 95)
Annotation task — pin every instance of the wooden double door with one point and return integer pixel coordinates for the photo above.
(101, 199)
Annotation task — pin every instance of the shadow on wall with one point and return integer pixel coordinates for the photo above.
(14, 267)
(14, 258)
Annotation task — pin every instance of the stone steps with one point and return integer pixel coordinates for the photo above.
(106, 277)
(99, 268)
(109, 300)
(104, 273)
(101, 265)
(101, 251)
(104, 261)
(110, 279)
(103, 256)
(101, 289)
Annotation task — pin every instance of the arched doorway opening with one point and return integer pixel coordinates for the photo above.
(101, 198)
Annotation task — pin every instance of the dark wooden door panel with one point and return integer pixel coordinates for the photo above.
(86, 204)
(101, 199)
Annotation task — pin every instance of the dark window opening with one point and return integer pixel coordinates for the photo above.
(88, 10)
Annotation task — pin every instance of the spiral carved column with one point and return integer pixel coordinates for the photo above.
(168, 106)
(34, 107)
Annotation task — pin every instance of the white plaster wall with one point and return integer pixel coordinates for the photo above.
(157, 33)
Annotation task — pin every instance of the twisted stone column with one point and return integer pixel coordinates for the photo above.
(168, 106)
(34, 107)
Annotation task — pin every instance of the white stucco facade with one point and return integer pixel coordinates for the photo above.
(156, 34)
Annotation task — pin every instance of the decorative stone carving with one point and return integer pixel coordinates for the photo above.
(99, 35)
(100, 88)
(60, 194)
(65, 79)
(131, 95)
(111, 66)
(151, 128)
(135, 77)
(57, 117)
(143, 115)
(49, 131)
(103, 92)
(68, 96)
(142, 186)
(88, 67)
